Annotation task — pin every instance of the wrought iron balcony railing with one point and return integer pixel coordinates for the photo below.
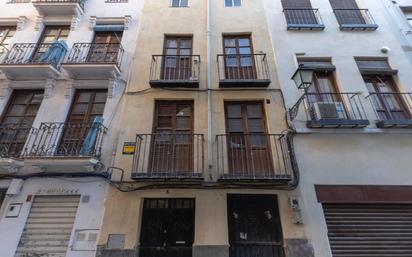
(66, 140)
(243, 70)
(392, 109)
(33, 53)
(303, 19)
(355, 19)
(254, 157)
(80, 2)
(3, 51)
(332, 110)
(175, 70)
(95, 53)
(169, 156)
(13, 138)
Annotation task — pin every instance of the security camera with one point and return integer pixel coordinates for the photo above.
(385, 49)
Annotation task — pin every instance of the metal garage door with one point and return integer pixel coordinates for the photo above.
(369, 230)
(48, 227)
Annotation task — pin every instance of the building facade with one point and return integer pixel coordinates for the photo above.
(225, 128)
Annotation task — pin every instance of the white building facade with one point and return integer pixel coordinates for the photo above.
(64, 68)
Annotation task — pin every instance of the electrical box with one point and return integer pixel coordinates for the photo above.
(15, 187)
(85, 240)
(13, 210)
(294, 203)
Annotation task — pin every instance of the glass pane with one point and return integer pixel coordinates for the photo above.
(230, 50)
(244, 42)
(170, 62)
(255, 125)
(183, 3)
(171, 52)
(183, 111)
(165, 110)
(164, 122)
(98, 109)
(17, 110)
(185, 52)
(236, 2)
(185, 43)
(171, 43)
(175, 3)
(228, 3)
(254, 111)
(32, 110)
(245, 61)
(100, 97)
(231, 61)
(11, 120)
(80, 108)
(230, 42)
(234, 111)
(183, 123)
(235, 125)
(244, 50)
(84, 97)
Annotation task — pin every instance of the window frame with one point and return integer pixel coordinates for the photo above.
(233, 3)
(179, 5)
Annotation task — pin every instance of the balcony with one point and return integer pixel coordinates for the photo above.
(12, 141)
(94, 61)
(175, 71)
(334, 110)
(259, 158)
(303, 19)
(59, 7)
(243, 70)
(67, 146)
(164, 156)
(393, 110)
(355, 19)
(33, 61)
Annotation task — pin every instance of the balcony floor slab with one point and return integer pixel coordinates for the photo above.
(337, 123)
(29, 71)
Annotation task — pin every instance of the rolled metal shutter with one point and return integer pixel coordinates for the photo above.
(369, 230)
(48, 227)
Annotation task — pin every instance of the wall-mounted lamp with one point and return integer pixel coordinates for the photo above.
(303, 78)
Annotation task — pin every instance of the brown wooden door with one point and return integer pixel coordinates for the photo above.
(18, 119)
(105, 47)
(171, 146)
(177, 61)
(86, 106)
(239, 60)
(50, 35)
(247, 142)
(351, 14)
(388, 104)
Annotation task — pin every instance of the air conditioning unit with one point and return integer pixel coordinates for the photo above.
(328, 110)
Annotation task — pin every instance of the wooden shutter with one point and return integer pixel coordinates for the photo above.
(369, 230)
(343, 4)
(48, 227)
(296, 4)
(350, 13)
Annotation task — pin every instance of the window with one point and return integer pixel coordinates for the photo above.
(50, 35)
(407, 11)
(179, 3)
(299, 12)
(6, 33)
(232, 3)
(177, 62)
(239, 63)
(105, 47)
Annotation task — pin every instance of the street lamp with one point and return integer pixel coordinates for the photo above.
(303, 77)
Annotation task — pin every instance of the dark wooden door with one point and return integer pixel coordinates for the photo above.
(105, 47)
(167, 228)
(86, 106)
(350, 13)
(172, 141)
(17, 120)
(254, 226)
(388, 104)
(239, 60)
(177, 61)
(50, 35)
(247, 142)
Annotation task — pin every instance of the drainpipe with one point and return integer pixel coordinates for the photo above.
(209, 89)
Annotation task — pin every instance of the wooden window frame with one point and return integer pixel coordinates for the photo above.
(74, 100)
(233, 3)
(173, 128)
(59, 27)
(10, 103)
(8, 29)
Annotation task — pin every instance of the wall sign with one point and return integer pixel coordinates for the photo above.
(57, 191)
(129, 148)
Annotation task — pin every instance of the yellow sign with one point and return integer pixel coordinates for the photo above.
(129, 148)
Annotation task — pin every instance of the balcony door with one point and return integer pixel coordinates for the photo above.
(17, 121)
(86, 106)
(105, 47)
(172, 140)
(239, 61)
(388, 104)
(50, 35)
(254, 226)
(177, 61)
(168, 227)
(348, 12)
(247, 142)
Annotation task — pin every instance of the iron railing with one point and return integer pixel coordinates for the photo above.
(247, 249)
(34, 53)
(391, 106)
(96, 53)
(303, 18)
(60, 139)
(355, 19)
(13, 139)
(3, 51)
(163, 251)
(175, 69)
(80, 2)
(334, 110)
(169, 155)
(240, 68)
(253, 157)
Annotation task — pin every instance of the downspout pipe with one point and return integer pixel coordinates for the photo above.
(209, 89)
